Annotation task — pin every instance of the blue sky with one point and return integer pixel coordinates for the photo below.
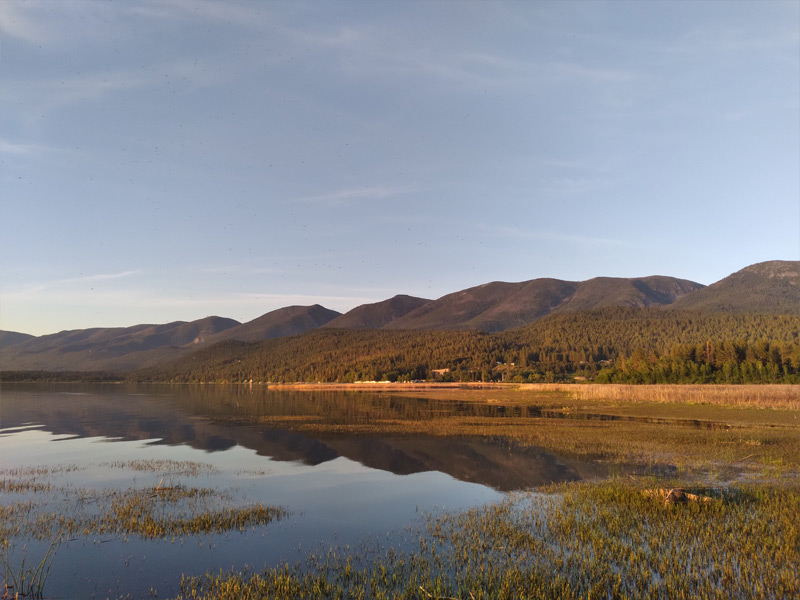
(171, 159)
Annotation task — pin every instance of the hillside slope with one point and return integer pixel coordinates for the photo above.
(771, 287)
(377, 314)
(111, 348)
(499, 306)
(10, 338)
(291, 320)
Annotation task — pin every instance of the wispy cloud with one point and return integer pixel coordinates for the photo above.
(67, 284)
(50, 23)
(225, 12)
(50, 93)
(366, 193)
(101, 277)
(19, 22)
(552, 236)
(9, 147)
(243, 270)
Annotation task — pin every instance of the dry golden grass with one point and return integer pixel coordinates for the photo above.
(786, 397)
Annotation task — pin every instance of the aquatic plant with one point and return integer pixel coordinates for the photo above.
(157, 512)
(185, 468)
(26, 580)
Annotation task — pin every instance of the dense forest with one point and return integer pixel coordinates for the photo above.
(21, 376)
(621, 345)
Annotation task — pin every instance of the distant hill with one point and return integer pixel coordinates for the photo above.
(111, 348)
(769, 288)
(291, 320)
(9, 338)
(378, 314)
(500, 306)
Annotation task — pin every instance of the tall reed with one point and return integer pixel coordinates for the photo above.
(785, 397)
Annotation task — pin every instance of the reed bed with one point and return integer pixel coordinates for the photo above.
(785, 397)
(609, 540)
(677, 443)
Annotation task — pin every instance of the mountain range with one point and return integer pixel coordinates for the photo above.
(765, 288)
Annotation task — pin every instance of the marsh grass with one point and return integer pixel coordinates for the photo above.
(26, 580)
(679, 443)
(608, 540)
(13, 486)
(34, 508)
(148, 513)
(180, 468)
(785, 397)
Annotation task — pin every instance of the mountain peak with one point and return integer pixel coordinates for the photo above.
(771, 287)
(377, 314)
(788, 270)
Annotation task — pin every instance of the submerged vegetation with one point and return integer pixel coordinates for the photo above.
(56, 514)
(607, 540)
(165, 510)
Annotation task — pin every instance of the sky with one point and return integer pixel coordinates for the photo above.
(166, 160)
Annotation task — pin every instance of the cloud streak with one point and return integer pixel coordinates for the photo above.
(359, 194)
(22, 149)
(554, 236)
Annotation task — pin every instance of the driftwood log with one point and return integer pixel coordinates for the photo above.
(677, 496)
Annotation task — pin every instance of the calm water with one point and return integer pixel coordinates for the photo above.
(338, 489)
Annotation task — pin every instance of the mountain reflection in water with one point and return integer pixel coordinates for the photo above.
(217, 418)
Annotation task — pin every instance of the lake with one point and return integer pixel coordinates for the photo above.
(88, 443)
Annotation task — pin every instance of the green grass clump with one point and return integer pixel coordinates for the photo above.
(149, 513)
(152, 514)
(607, 540)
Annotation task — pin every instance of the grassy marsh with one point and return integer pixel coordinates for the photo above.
(692, 429)
(35, 508)
(605, 540)
(611, 539)
(165, 510)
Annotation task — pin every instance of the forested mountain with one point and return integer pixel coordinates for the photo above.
(489, 307)
(770, 287)
(377, 314)
(519, 309)
(611, 344)
(291, 320)
(500, 306)
(601, 292)
(127, 348)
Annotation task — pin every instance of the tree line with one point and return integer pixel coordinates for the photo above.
(621, 345)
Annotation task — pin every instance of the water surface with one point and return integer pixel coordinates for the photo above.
(338, 489)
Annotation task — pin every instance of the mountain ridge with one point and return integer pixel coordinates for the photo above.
(772, 287)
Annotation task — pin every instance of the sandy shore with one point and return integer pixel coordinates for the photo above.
(388, 386)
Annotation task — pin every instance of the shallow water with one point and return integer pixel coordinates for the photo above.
(338, 489)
